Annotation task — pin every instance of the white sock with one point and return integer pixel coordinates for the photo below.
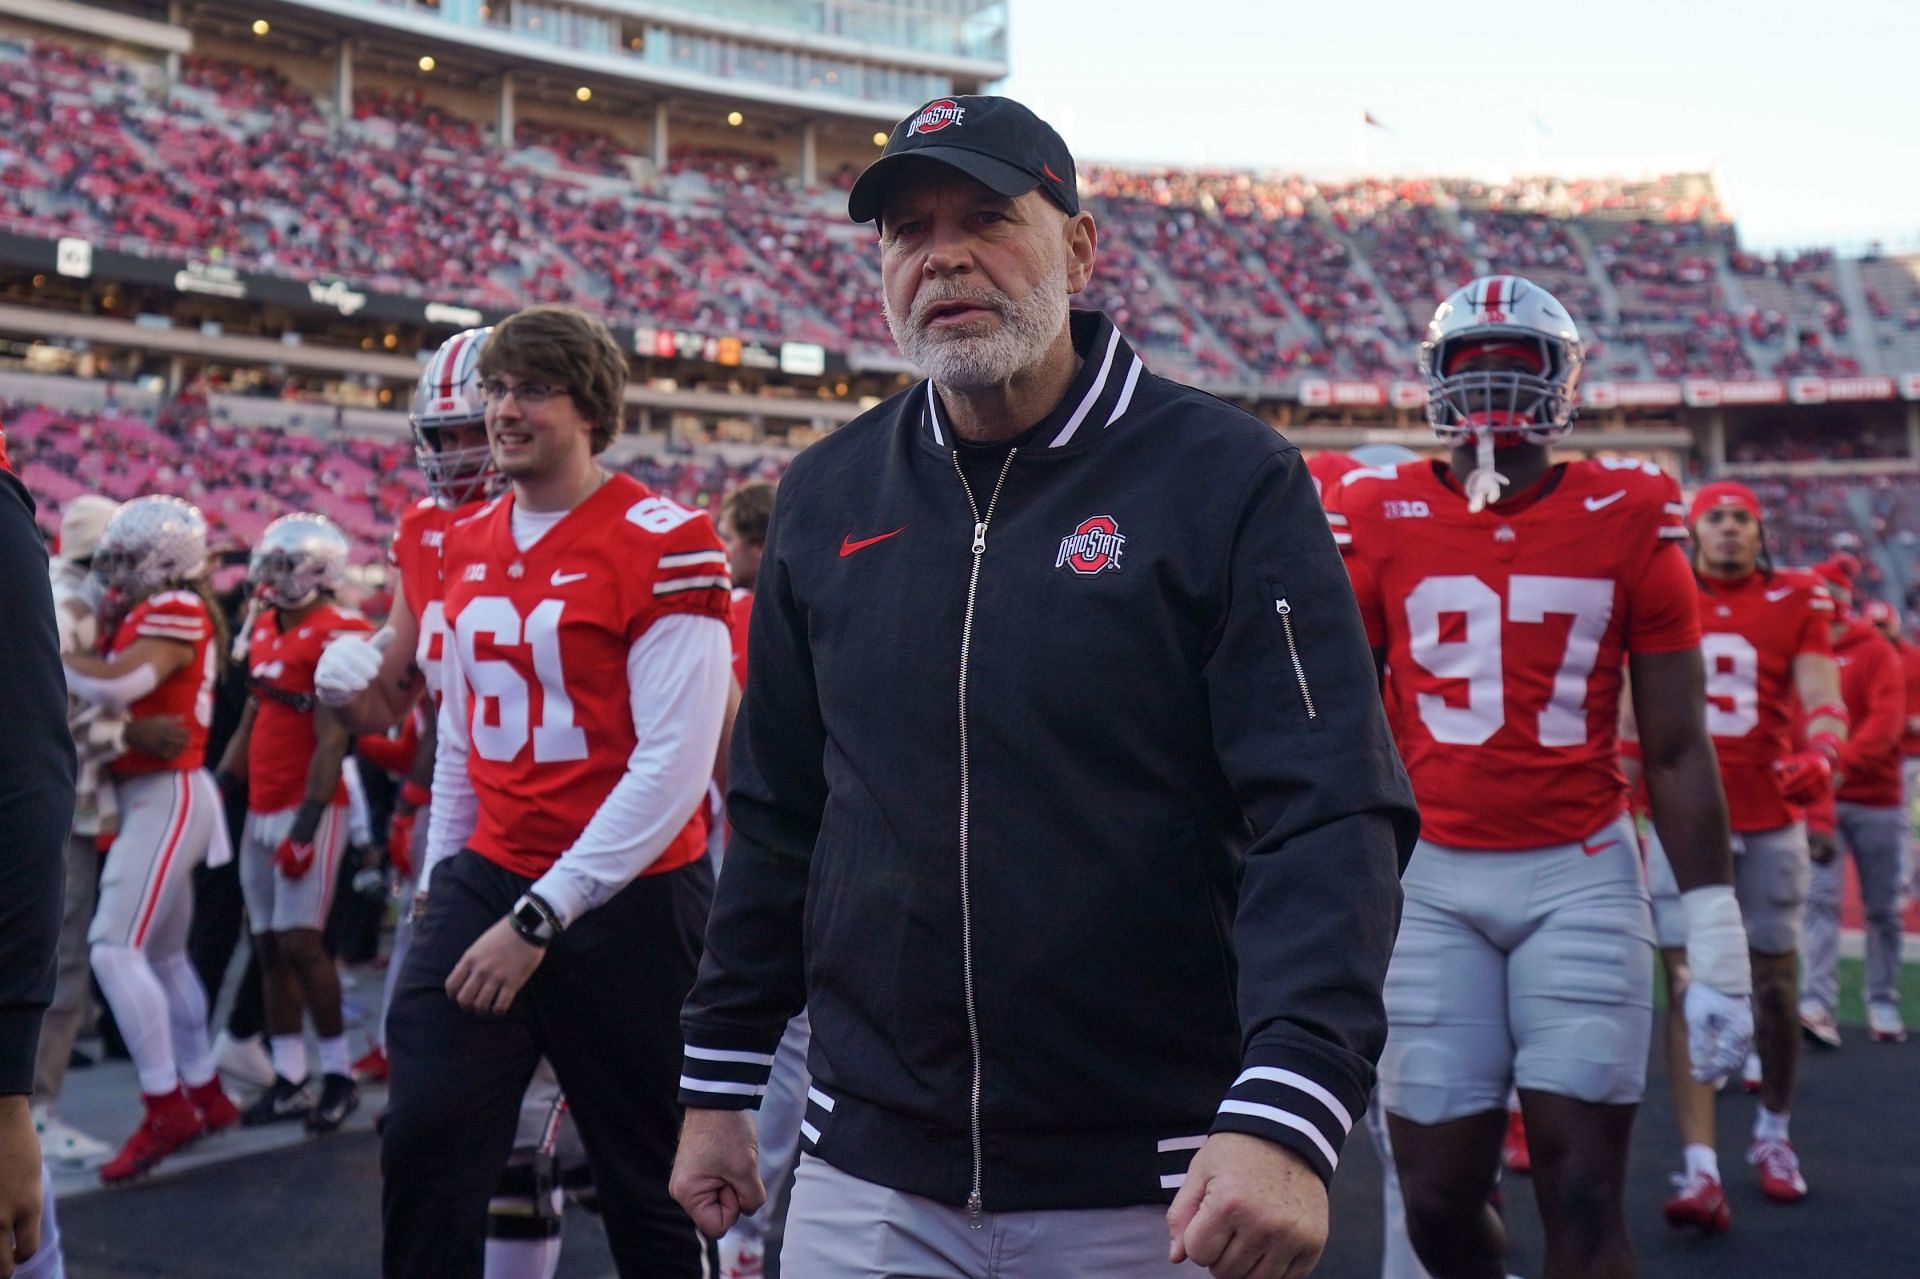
(139, 1005)
(522, 1258)
(1768, 1126)
(333, 1056)
(186, 1016)
(1702, 1159)
(289, 1057)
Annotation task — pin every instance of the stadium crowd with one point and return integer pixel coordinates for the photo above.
(1233, 278)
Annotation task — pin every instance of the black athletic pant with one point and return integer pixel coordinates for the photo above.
(603, 1007)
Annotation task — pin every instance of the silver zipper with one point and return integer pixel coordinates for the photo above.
(1285, 610)
(975, 1204)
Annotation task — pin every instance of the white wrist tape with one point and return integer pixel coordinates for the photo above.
(1717, 939)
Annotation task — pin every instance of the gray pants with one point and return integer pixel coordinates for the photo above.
(840, 1227)
(72, 1003)
(49, 1262)
(1873, 836)
(778, 1121)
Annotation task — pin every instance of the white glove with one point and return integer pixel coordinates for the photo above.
(349, 666)
(1719, 1004)
(1719, 1031)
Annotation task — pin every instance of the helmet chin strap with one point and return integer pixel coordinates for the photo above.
(1484, 484)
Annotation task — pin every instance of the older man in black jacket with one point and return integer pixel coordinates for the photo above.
(1061, 791)
(36, 805)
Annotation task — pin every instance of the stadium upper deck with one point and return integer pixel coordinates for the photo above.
(346, 179)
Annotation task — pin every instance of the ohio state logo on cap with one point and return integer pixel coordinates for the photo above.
(936, 116)
(1094, 547)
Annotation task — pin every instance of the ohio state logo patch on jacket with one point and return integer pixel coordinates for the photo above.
(1094, 547)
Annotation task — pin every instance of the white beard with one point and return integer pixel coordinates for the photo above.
(968, 361)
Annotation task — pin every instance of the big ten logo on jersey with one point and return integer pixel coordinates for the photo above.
(1455, 632)
(503, 716)
(1405, 510)
(475, 573)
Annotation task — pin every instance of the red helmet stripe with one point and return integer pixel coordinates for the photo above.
(453, 362)
(1493, 293)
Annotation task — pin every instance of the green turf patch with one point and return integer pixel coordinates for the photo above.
(1853, 1000)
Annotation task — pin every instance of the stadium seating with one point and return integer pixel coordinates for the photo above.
(243, 478)
(1233, 279)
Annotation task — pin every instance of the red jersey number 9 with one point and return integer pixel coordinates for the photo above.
(556, 738)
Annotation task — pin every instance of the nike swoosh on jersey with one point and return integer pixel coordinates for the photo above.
(1594, 850)
(561, 579)
(1774, 597)
(1597, 503)
(848, 546)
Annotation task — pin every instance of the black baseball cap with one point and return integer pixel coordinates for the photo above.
(995, 141)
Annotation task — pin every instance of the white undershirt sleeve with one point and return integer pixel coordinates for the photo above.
(677, 673)
(117, 693)
(455, 809)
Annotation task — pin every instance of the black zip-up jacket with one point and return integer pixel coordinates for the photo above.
(36, 784)
(1074, 822)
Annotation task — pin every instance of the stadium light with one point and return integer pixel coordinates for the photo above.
(260, 26)
(879, 139)
(426, 62)
(735, 119)
(583, 93)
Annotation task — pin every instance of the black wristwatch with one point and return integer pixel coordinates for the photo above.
(534, 920)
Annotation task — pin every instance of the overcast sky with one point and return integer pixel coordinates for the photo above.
(1807, 113)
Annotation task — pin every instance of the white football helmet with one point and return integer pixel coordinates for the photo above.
(297, 558)
(448, 395)
(151, 543)
(1501, 310)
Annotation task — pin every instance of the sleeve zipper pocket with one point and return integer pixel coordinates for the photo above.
(1285, 610)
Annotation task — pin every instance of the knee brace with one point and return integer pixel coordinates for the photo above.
(526, 1204)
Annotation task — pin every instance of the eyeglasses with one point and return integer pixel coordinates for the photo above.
(527, 394)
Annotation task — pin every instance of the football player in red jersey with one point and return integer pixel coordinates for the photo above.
(584, 689)
(289, 748)
(744, 515)
(1764, 636)
(1869, 822)
(1506, 593)
(375, 682)
(1886, 619)
(161, 660)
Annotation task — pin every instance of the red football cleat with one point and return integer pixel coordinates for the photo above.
(1513, 1149)
(217, 1111)
(170, 1123)
(1698, 1201)
(372, 1066)
(1779, 1170)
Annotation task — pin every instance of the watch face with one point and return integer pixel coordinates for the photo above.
(528, 916)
